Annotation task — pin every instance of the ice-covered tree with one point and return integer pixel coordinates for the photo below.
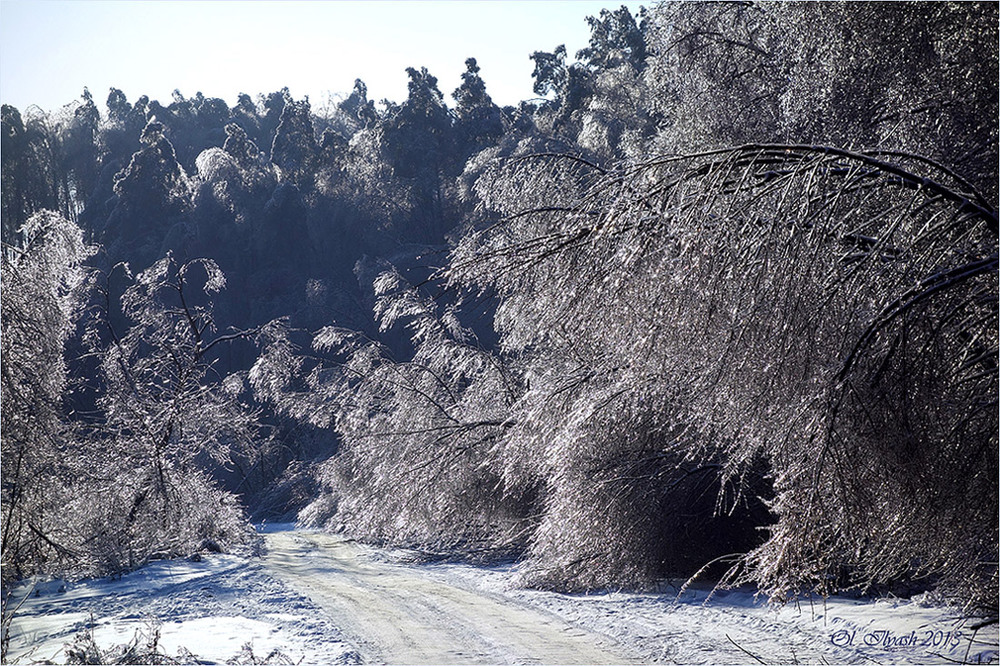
(43, 295)
(615, 38)
(915, 77)
(241, 148)
(480, 122)
(294, 149)
(417, 137)
(167, 418)
(796, 316)
(418, 436)
(358, 108)
(153, 194)
(33, 174)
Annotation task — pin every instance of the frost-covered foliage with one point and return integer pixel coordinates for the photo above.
(43, 293)
(419, 437)
(479, 121)
(781, 354)
(165, 422)
(686, 348)
(294, 148)
(231, 185)
(29, 150)
(128, 481)
(919, 77)
(826, 312)
(154, 179)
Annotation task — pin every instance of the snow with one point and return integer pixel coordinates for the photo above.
(211, 608)
(735, 626)
(214, 607)
(702, 626)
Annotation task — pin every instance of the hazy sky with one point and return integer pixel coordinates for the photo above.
(51, 49)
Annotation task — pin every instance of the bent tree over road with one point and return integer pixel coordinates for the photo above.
(398, 614)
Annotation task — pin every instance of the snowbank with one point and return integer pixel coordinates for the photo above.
(211, 608)
(739, 627)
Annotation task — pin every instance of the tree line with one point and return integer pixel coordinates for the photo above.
(721, 302)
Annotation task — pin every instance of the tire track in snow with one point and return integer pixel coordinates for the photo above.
(395, 614)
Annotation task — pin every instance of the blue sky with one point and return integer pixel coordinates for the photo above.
(51, 49)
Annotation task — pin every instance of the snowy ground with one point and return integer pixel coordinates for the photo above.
(322, 599)
(211, 608)
(735, 627)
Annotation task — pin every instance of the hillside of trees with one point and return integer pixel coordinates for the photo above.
(722, 302)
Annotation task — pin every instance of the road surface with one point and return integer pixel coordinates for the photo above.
(398, 614)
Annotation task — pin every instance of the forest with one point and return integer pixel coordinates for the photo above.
(720, 303)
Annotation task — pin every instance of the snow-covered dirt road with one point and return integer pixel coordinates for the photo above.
(324, 599)
(393, 610)
(398, 614)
